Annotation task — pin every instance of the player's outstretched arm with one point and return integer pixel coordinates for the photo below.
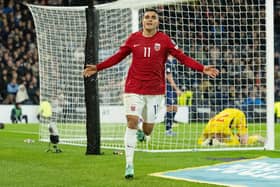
(90, 70)
(211, 71)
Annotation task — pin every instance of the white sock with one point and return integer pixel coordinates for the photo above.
(130, 144)
(140, 124)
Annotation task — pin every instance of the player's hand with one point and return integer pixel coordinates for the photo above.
(178, 92)
(89, 70)
(211, 71)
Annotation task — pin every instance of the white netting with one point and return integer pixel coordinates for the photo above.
(227, 34)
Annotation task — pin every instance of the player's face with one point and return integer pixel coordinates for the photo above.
(150, 21)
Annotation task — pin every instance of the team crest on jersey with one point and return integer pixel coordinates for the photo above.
(157, 46)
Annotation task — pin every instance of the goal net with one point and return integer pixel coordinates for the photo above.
(231, 35)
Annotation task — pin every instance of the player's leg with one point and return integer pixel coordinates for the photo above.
(25, 117)
(171, 110)
(133, 108)
(150, 112)
(168, 118)
(13, 119)
(130, 144)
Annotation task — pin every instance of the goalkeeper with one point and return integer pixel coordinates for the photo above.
(228, 128)
(145, 83)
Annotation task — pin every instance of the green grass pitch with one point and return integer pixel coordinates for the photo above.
(27, 164)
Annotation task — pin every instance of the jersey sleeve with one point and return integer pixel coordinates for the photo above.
(183, 58)
(123, 51)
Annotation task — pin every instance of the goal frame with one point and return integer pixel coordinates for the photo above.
(270, 142)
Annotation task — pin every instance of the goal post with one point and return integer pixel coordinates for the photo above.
(270, 143)
(91, 83)
(235, 37)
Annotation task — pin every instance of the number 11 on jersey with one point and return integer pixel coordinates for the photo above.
(147, 52)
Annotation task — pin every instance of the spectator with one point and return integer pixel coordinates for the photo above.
(18, 51)
(22, 96)
(12, 89)
(4, 83)
(252, 100)
(33, 91)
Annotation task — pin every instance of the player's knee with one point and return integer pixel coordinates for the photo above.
(172, 108)
(148, 128)
(169, 108)
(132, 121)
(175, 108)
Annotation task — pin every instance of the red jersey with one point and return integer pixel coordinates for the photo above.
(146, 74)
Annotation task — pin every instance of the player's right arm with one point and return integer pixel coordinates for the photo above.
(170, 79)
(90, 70)
(124, 50)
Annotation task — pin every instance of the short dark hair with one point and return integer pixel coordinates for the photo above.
(151, 10)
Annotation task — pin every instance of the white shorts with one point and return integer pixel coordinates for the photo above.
(143, 106)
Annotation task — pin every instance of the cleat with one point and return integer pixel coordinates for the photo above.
(129, 172)
(170, 133)
(140, 136)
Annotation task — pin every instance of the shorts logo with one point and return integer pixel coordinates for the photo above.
(133, 108)
(157, 46)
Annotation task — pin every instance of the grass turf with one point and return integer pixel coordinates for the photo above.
(27, 164)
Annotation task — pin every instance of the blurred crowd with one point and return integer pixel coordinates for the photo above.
(19, 72)
(277, 49)
(242, 63)
(230, 37)
(19, 67)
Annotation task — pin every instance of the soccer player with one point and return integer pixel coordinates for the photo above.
(45, 110)
(228, 128)
(172, 92)
(145, 83)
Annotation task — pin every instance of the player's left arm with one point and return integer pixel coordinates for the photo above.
(210, 71)
(190, 62)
